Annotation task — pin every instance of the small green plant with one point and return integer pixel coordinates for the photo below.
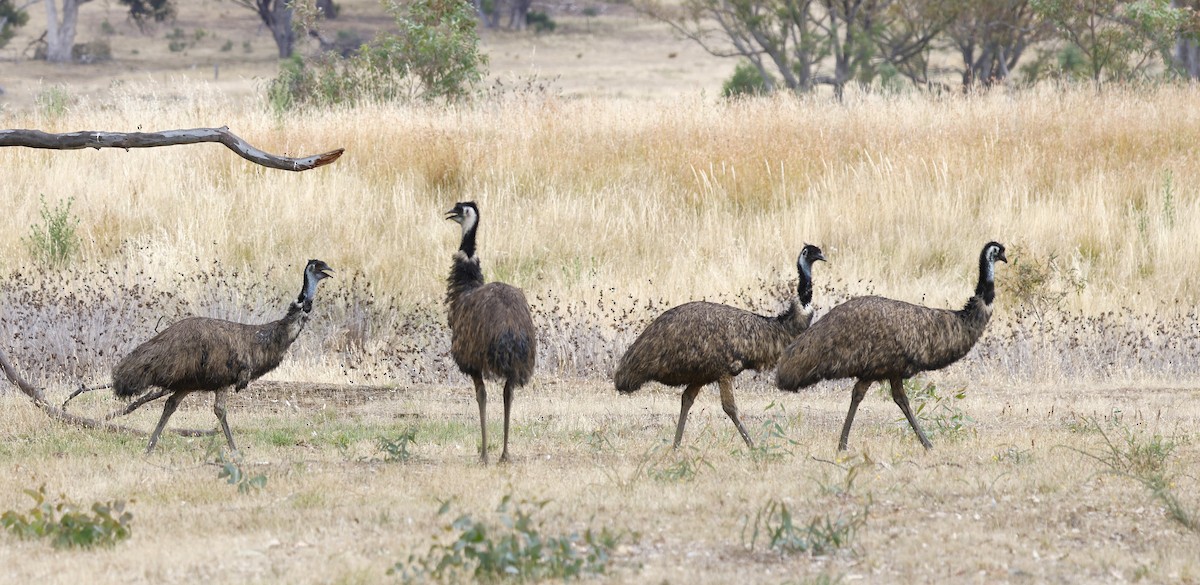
(54, 242)
(232, 472)
(939, 415)
(515, 549)
(1145, 459)
(227, 47)
(1168, 197)
(677, 465)
(53, 101)
(779, 531)
(66, 525)
(775, 443)
(398, 449)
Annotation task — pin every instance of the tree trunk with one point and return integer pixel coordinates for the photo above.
(328, 9)
(1187, 57)
(60, 36)
(518, 15)
(281, 27)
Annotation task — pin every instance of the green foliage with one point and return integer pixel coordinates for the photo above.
(433, 57)
(1145, 459)
(515, 549)
(677, 465)
(54, 242)
(398, 449)
(746, 80)
(1117, 39)
(96, 51)
(12, 19)
(68, 527)
(53, 101)
(939, 415)
(232, 472)
(779, 531)
(775, 444)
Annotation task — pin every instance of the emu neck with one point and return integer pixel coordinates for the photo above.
(308, 290)
(467, 246)
(986, 289)
(804, 288)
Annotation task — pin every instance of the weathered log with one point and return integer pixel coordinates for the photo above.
(39, 400)
(127, 140)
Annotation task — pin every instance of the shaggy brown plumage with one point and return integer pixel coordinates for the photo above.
(491, 330)
(698, 343)
(199, 354)
(875, 339)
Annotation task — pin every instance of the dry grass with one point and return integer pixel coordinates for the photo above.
(1017, 484)
(607, 211)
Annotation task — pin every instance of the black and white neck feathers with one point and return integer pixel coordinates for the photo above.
(466, 213)
(985, 290)
(804, 264)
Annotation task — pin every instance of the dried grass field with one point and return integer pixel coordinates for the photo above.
(1066, 442)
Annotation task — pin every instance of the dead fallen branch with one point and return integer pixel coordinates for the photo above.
(127, 140)
(39, 400)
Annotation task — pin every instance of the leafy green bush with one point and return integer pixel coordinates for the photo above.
(516, 549)
(434, 56)
(54, 242)
(68, 527)
(53, 101)
(746, 80)
(541, 22)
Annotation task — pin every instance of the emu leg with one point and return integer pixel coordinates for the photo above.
(481, 398)
(168, 409)
(151, 397)
(508, 398)
(856, 396)
(727, 403)
(219, 410)
(901, 400)
(685, 404)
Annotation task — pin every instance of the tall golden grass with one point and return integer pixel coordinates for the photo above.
(683, 200)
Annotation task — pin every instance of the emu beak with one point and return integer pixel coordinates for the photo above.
(324, 272)
(454, 214)
(1001, 257)
(821, 257)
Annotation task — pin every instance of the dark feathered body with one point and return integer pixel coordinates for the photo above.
(700, 342)
(492, 332)
(873, 338)
(877, 339)
(206, 354)
(199, 354)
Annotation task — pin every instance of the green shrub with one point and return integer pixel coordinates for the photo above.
(434, 56)
(53, 101)
(938, 414)
(398, 449)
(68, 527)
(516, 549)
(232, 472)
(54, 242)
(746, 80)
(93, 52)
(541, 22)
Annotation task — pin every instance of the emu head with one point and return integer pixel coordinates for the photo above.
(466, 213)
(992, 251)
(314, 272)
(809, 254)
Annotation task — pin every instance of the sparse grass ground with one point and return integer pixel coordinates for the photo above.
(1014, 499)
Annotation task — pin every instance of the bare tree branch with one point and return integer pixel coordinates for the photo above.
(39, 400)
(127, 140)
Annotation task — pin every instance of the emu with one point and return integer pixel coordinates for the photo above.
(698, 343)
(875, 339)
(199, 354)
(491, 330)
